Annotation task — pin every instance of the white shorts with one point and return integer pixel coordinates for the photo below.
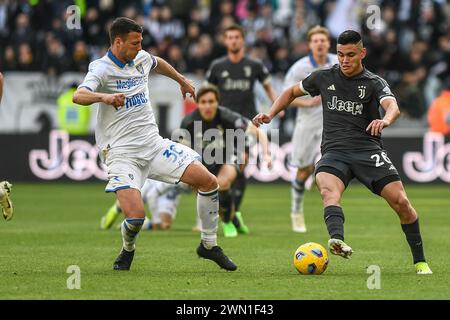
(306, 142)
(162, 198)
(166, 203)
(166, 162)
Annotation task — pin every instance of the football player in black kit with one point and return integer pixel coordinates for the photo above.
(235, 75)
(351, 142)
(207, 130)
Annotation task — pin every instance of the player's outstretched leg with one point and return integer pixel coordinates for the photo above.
(238, 189)
(233, 223)
(395, 194)
(108, 219)
(331, 189)
(334, 219)
(227, 208)
(129, 229)
(133, 208)
(207, 209)
(201, 179)
(297, 200)
(239, 223)
(5, 200)
(240, 184)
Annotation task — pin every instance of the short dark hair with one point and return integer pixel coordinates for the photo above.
(121, 27)
(349, 37)
(235, 27)
(205, 89)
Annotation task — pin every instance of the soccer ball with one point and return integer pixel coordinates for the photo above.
(311, 258)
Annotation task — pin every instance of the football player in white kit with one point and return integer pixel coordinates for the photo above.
(130, 144)
(162, 200)
(308, 128)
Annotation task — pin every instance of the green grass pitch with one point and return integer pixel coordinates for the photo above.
(57, 225)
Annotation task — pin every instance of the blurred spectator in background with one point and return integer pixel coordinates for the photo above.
(80, 57)
(176, 59)
(26, 60)
(439, 112)
(23, 33)
(55, 58)
(9, 61)
(409, 46)
(409, 91)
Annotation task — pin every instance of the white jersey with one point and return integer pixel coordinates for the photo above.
(133, 126)
(299, 71)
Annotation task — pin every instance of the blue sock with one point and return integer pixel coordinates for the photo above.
(130, 229)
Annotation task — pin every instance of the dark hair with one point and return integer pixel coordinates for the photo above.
(205, 89)
(121, 27)
(349, 37)
(235, 27)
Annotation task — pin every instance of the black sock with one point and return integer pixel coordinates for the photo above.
(236, 222)
(226, 205)
(239, 189)
(334, 219)
(412, 232)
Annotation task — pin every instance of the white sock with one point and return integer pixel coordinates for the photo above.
(208, 212)
(130, 229)
(297, 196)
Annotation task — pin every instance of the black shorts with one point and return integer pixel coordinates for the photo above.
(215, 168)
(372, 168)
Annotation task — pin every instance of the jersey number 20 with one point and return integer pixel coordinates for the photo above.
(377, 157)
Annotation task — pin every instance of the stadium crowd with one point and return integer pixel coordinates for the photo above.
(409, 46)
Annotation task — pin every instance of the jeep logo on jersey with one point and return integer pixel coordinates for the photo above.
(140, 68)
(347, 106)
(362, 91)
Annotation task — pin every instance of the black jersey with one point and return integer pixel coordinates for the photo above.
(236, 83)
(201, 142)
(349, 105)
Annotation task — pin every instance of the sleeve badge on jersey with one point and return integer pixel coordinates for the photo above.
(140, 68)
(387, 90)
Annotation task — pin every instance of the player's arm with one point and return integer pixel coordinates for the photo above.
(1, 86)
(307, 102)
(281, 103)
(271, 93)
(85, 97)
(392, 112)
(164, 68)
(261, 137)
(295, 75)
